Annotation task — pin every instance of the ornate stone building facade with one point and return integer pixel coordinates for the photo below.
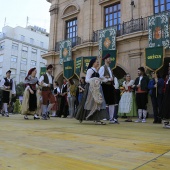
(81, 21)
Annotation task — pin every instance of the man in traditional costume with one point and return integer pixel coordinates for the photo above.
(63, 104)
(46, 81)
(108, 87)
(141, 88)
(156, 85)
(165, 109)
(8, 88)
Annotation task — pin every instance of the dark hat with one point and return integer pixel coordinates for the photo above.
(31, 70)
(106, 56)
(9, 71)
(49, 66)
(92, 61)
(141, 69)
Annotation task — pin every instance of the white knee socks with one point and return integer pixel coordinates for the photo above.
(5, 107)
(111, 111)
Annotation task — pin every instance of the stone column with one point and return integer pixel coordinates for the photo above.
(53, 26)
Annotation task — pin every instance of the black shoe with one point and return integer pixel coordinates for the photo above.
(44, 117)
(6, 114)
(2, 114)
(128, 120)
(47, 115)
(155, 121)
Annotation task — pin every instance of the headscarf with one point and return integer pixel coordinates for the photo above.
(92, 61)
(29, 79)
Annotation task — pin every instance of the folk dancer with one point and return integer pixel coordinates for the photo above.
(46, 82)
(108, 86)
(92, 106)
(8, 88)
(126, 101)
(141, 88)
(29, 104)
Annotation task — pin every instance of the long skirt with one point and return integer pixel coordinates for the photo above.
(33, 101)
(29, 103)
(86, 104)
(165, 110)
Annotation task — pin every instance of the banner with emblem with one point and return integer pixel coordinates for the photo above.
(65, 51)
(113, 56)
(107, 40)
(158, 27)
(86, 61)
(154, 58)
(78, 65)
(68, 69)
(42, 70)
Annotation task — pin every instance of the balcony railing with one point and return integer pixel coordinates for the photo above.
(132, 26)
(77, 41)
(135, 25)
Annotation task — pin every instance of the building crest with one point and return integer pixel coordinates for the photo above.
(107, 42)
(65, 52)
(157, 33)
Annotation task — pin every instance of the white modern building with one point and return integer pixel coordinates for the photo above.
(21, 49)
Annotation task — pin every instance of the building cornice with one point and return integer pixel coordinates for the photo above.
(53, 9)
(25, 43)
(50, 1)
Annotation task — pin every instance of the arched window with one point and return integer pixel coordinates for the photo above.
(69, 15)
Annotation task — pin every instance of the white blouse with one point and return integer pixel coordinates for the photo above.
(89, 74)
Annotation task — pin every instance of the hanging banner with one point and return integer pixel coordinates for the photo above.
(107, 40)
(158, 27)
(86, 61)
(68, 69)
(78, 64)
(42, 70)
(154, 58)
(113, 54)
(65, 51)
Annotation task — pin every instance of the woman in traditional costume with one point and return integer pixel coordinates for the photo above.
(92, 106)
(29, 104)
(127, 102)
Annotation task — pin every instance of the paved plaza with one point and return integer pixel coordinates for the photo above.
(65, 144)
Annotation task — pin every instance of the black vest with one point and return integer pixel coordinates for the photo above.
(8, 83)
(64, 89)
(95, 74)
(47, 81)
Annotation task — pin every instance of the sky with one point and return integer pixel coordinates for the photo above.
(17, 11)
